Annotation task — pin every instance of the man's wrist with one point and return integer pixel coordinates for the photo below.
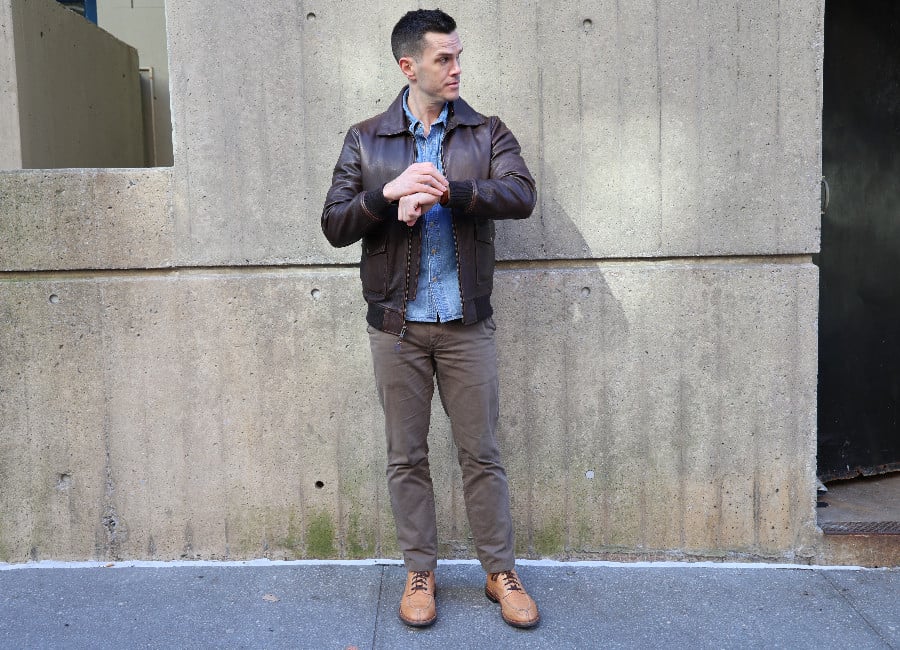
(459, 195)
(386, 197)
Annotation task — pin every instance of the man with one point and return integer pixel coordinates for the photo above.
(421, 184)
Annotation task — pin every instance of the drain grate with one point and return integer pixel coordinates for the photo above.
(861, 528)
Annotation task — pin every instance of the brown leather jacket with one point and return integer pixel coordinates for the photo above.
(488, 180)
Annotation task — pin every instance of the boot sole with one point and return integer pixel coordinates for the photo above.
(417, 623)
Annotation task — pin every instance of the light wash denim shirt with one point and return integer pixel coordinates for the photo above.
(437, 293)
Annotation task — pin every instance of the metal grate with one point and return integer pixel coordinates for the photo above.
(861, 528)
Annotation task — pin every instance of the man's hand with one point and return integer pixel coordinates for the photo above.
(417, 178)
(413, 206)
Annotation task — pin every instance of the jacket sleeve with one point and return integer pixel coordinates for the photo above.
(350, 211)
(509, 192)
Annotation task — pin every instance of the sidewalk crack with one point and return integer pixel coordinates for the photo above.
(841, 593)
(377, 607)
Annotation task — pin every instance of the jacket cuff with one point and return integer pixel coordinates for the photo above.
(375, 203)
(461, 195)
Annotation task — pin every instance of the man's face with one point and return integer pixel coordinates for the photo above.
(436, 70)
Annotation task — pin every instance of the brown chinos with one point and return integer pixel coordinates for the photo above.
(463, 358)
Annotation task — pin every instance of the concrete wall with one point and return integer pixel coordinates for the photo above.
(660, 131)
(194, 380)
(142, 24)
(70, 91)
(10, 141)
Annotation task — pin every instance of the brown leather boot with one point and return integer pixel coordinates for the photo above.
(516, 606)
(417, 606)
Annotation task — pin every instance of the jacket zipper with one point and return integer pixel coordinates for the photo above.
(462, 298)
(402, 334)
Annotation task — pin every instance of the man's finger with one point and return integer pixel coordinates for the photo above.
(429, 189)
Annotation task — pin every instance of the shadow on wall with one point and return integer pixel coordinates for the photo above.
(550, 233)
(557, 406)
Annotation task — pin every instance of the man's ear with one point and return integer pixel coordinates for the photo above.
(407, 67)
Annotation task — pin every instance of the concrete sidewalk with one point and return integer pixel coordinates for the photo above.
(343, 605)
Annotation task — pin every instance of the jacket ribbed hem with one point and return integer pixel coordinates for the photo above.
(384, 319)
(392, 322)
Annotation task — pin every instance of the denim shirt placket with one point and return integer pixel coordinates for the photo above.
(438, 283)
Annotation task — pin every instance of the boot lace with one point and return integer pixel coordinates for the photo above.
(420, 581)
(510, 580)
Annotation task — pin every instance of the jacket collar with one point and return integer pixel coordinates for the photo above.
(393, 121)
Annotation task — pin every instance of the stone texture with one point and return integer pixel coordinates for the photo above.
(205, 418)
(240, 133)
(656, 130)
(659, 380)
(232, 415)
(687, 141)
(185, 371)
(10, 139)
(86, 219)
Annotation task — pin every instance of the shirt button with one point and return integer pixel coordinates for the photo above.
(434, 279)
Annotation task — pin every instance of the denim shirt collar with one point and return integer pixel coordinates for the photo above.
(414, 121)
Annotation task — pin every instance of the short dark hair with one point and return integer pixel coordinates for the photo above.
(408, 36)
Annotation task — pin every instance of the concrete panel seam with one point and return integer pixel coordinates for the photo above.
(509, 265)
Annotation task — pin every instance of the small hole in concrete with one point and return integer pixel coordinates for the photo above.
(319, 485)
(588, 24)
(585, 292)
(316, 294)
(310, 17)
(54, 299)
(63, 482)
